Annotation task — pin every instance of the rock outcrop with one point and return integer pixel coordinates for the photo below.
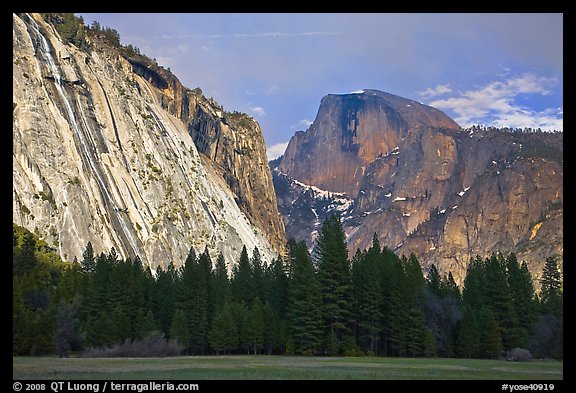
(233, 141)
(105, 150)
(410, 174)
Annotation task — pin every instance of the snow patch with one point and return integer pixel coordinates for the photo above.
(398, 199)
(358, 92)
(461, 193)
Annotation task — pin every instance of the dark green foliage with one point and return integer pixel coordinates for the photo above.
(258, 279)
(380, 304)
(192, 297)
(551, 297)
(522, 294)
(434, 281)
(278, 290)
(241, 283)
(224, 333)
(220, 288)
(68, 335)
(179, 329)
(71, 28)
(490, 337)
(335, 279)
(468, 342)
(36, 272)
(304, 306)
(88, 259)
(368, 297)
(255, 327)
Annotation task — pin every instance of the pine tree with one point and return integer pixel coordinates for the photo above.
(278, 291)
(179, 328)
(258, 275)
(335, 280)
(499, 300)
(164, 294)
(450, 288)
(88, 263)
(522, 293)
(224, 332)
(24, 256)
(408, 331)
(239, 314)
(474, 283)
(391, 281)
(271, 332)
(241, 283)
(434, 281)
(205, 272)
(551, 291)
(192, 297)
(468, 342)
(220, 287)
(255, 326)
(490, 336)
(147, 324)
(368, 296)
(304, 303)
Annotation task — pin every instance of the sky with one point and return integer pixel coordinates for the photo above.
(503, 70)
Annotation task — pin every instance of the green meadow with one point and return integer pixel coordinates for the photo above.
(281, 367)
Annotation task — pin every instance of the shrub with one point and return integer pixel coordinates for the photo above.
(519, 355)
(153, 345)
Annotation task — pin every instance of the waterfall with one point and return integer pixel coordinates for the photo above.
(45, 50)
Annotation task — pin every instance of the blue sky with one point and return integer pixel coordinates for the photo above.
(490, 69)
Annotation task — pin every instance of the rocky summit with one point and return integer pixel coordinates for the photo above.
(408, 173)
(109, 147)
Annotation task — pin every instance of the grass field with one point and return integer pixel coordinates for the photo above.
(280, 367)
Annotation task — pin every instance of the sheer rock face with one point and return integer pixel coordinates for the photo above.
(232, 141)
(408, 173)
(354, 130)
(104, 151)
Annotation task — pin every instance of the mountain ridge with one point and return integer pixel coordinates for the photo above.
(422, 183)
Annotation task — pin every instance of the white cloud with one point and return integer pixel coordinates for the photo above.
(268, 34)
(258, 111)
(304, 123)
(435, 91)
(265, 91)
(276, 150)
(495, 104)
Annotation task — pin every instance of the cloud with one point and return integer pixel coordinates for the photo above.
(435, 91)
(304, 123)
(264, 91)
(497, 104)
(268, 34)
(258, 111)
(276, 150)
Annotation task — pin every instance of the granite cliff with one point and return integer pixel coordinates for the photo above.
(407, 172)
(109, 147)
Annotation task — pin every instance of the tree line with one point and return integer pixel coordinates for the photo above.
(319, 303)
